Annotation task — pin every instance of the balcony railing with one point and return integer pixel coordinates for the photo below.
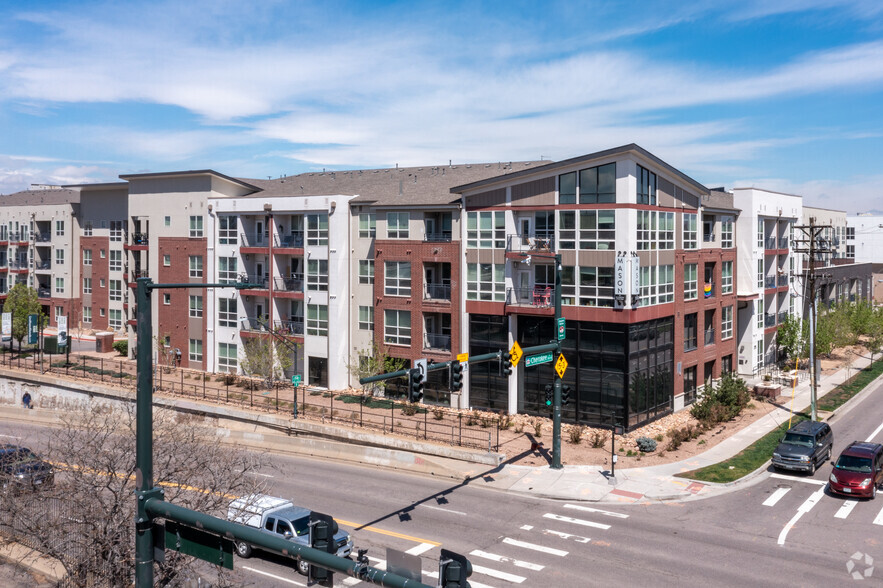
(3, 263)
(782, 316)
(255, 324)
(783, 280)
(295, 283)
(138, 273)
(539, 297)
(18, 265)
(261, 281)
(770, 281)
(783, 243)
(294, 239)
(437, 292)
(771, 243)
(41, 237)
(437, 341)
(294, 326)
(139, 238)
(14, 236)
(709, 336)
(44, 293)
(254, 239)
(44, 265)
(442, 237)
(769, 320)
(708, 237)
(527, 243)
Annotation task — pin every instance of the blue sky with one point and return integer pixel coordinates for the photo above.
(784, 95)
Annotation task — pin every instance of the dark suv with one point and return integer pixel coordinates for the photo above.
(806, 445)
(20, 468)
(858, 471)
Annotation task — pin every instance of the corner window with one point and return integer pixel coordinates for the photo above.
(646, 186)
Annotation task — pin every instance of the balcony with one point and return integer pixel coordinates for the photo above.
(295, 283)
(44, 293)
(770, 282)
(709, 336)
(771, 243)
(294, 326)
(41, 237)
(540, 242)
(783, 280)
(293, 240)
(769, 320)
(263, 282)
(437, 342)
(44, 265)
(782, 316)
(783, 243)
(438, 292)
(254, 239)
(255, 325)
(708, 237)
(539, 297)
(140, 239)
(138, 273)
(443, 237)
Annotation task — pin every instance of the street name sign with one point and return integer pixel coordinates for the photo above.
(533, 360)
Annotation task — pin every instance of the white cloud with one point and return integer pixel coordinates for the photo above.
(851, 195)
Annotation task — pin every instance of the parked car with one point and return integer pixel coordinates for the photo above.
(279, 517)
(21, 469)
(804, 447)
(858, 471)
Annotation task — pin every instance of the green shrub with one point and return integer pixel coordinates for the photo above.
(538, 428)
(722, 403)
(576, 435)
(646, 444)
(597, 439)
(121, 347)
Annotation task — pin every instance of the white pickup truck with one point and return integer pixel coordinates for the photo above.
(279, 517)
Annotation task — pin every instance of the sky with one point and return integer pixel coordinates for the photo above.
(785, 95)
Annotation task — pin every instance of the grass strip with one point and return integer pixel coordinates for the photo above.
(756, 454)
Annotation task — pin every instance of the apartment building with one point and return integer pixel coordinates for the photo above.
(648, 266)
(864, 237)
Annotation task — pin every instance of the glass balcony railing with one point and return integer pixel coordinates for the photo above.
(139, 238)
(769, 320)
(44, 292)
(439, 237)
(294, 239)
(540, 297)
(770, 281)
(261, 281)
(294, 283)
(783, 280)
(539, 242)
(782, 316)
(437, 292)
(709, 336)
(771, 243)
(294, 326)
(255, 239)
(437, 341)
(255, 324)
(783, 243)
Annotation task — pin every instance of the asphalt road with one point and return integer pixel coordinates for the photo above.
(751, 536)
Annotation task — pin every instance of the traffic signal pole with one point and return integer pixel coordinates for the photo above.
(556, 403)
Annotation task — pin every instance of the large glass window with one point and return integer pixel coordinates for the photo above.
(317, 229)
(228, 233)
(657, 285)
(760, 273)
(116, 261)
(397, 278)
(486, 281)
(656, 230)
(59, 228)
(116, 290)
(596, 286)
(596, 185)
(486, 230)
(691, 284)
(597, 229)
(366, 318)
(690, 331)
(760, 233)
(691, 231)
(367, 225)
(397, 225)
(227, 271)
(59, 257)
(646, 186)
(317, 320)
(317, 275)
(397, 327)
(195, 350)
(196, 226)
(227, 357)
(87, 257)
(758, 311)
(366, 271)
(59, 285)
(195, 306)
(727, 277)
(116, 230)
(115, 318)
(726, 232)
(726, 322)
(87, 314)
(227, 312)
(87, 285)
(196, 266)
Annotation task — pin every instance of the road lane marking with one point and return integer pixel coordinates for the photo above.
(844, 510)
(879, 519)
(502, 558)
(576, 538)
(350, 581)
(419, 549)
(597, 510)
(776, 496)
(540, 548)
(274, 576)
(498, 574)
(874, 434)
(795, 479)
(472, 582)
(801, 510)
(384, 532)
(555, 517)
(526, 527)
(456, 512)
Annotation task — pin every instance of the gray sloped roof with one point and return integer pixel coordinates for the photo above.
(41, 197)
(401, 186)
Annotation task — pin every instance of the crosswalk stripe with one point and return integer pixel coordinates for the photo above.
(541, 548)
(576, 538)
(504, 559)
(555, 517)
(776, 496)
(879, 519)
(795, 479)
(608, 513)
(526, 527)
(420, 549)
(497, 574)
(472, 582)
(350, 581)
(844, 510)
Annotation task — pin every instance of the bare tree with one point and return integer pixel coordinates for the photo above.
(266, 358)
(86, 519)
(374, 361)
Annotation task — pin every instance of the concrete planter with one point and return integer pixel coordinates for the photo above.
(767, 390)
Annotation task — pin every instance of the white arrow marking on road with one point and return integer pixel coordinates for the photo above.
(497, 574)
(874, 434)
(576, 538)
(608, 513)
(555, 517)
(527, 527)
(420, 549)
(879, 519)
(274, 576)
(504, 559)
(844, 510)
(541, 548)
(776, 496)
(804, 508)
(793, 479)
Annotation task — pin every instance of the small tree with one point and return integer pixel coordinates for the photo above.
(372, 362)
(266, 358)
(21, 301)
(792, 336)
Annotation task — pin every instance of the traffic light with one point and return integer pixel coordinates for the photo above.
(415, 385)
(453, 569)
(456, 376)
(322, 531)
(550, 395)
(565, 394)
(506, 364)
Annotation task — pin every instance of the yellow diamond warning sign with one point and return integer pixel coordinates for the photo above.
(516, 353)
(561, 366)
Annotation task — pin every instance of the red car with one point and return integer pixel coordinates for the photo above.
(858, 471)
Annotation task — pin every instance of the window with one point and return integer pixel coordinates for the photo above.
(167, 260)
(227, 269)
(486, 281)
(760, 273)
(646, 186)
(227, 356)
(195, 350)
(116, 261)
(116, 231)
(366, 318)
(397, 225)
(850, 233)
(727, 277)
(595, 185)
(397, 327)
(760, 233)
(397, 278)
(59, 311)
(101, 282)
(666, 235)
(656, 230)
(87, 314)
(317, 229)
(566, 229)
(850, 251)
(666, 275)
(167, 221)
(59, 285)
(59, 257)
(228, 229)
(366, 271)
(59, 228)
(166, 298)
(317, 320)
(196, 266)
(87, 257)
(87, 232)
(227, 312)
(115, 318)
(87, 285)
(101, 253)
(367, 225)
(759, 358)
(657, 285)
(646, 230)
(690, 331)
(758, 311)
(691, 228)
(116, 290)
(689, 385)
(486, 230)
(595, 286)
(195, 226)
(101, 312)
(317, 275)
(691, 281)
(726, 322)
(726, 232)
(195, 306)
(597, 229)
